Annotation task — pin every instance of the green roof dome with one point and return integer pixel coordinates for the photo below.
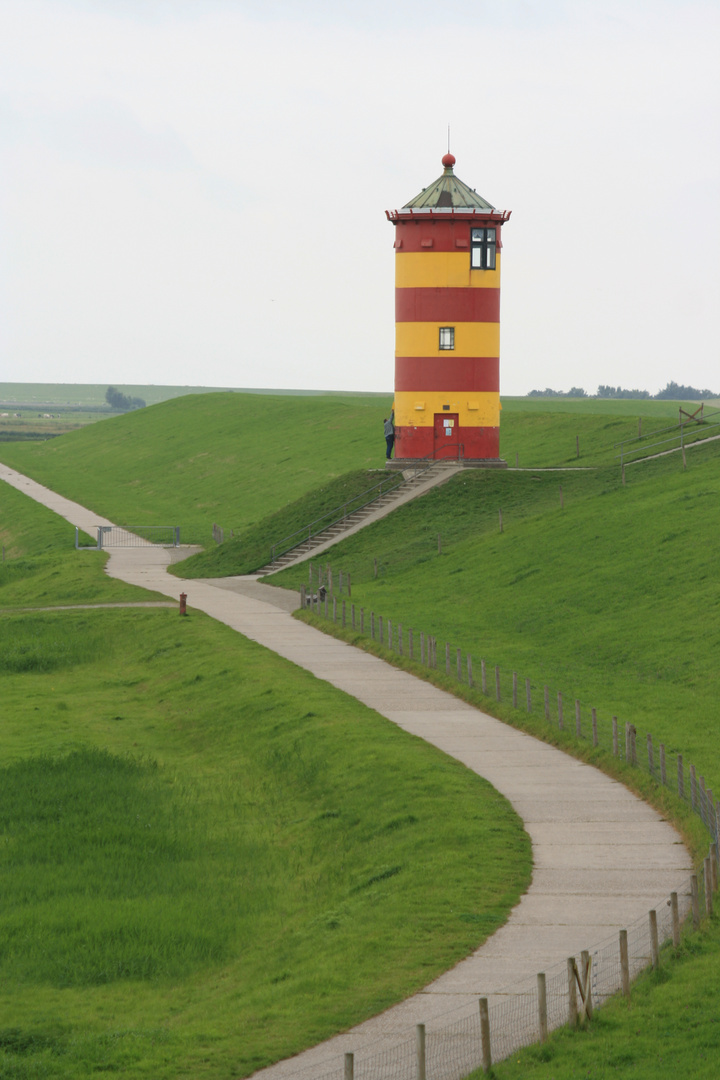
(449, 191)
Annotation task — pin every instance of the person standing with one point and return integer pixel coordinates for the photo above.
(389, 428)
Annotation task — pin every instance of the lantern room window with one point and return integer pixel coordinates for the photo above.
(483, 244)
(447, 337)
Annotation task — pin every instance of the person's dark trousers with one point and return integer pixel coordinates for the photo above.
(389, 439)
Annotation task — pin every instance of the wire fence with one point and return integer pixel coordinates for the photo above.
(452, 1046)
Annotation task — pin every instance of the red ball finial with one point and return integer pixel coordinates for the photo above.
(448, 160)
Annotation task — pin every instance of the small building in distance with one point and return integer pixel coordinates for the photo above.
(447, 324)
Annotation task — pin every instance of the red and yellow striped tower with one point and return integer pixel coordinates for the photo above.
(447, 322)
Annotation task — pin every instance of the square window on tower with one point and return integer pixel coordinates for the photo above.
(447, 337)
(483, 243)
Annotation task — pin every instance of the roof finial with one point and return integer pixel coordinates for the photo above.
(447, 159)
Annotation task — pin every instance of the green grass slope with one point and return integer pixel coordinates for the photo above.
(613, 599)
(41, 567)
(230, 458)
(210, 859)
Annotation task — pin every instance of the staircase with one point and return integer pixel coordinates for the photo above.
(411, 488)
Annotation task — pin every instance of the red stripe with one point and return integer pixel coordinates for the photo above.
(469, 442)
(444, 234)
(472, 374)
(447, 305)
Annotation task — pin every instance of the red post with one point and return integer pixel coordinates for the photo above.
(183, 603)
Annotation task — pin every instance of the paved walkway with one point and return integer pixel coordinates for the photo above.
(602, 857)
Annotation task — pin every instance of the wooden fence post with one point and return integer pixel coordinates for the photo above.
(654, 943)
(420, 1046)
(497, 682)
(459, 665)
(675, 919)
(542, 1006)
(326, 605)
(594, 727)
(447, 657)
(514, 689)
(352, 615)
(469, 670)
(349, 1073)
(572, 993)
(624, 964)
(485, 1035)
(586, 963)
(695, 901)
(302, 597)
(615, 735)
(693, 788)
(483, 676)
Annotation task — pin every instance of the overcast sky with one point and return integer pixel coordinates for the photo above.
(193, 191)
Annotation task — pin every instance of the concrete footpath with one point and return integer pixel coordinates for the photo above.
(602, 857)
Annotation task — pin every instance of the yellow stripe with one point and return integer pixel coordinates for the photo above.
(474, 410)
(442, 269)
(471, 339)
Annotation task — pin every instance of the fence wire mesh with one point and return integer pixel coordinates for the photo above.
(453, 1042)
(454, 1045)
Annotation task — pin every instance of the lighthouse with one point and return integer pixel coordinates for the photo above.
(447, 324)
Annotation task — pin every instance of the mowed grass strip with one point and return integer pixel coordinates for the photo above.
(212, 859)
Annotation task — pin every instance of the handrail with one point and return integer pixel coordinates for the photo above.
(679, 430)
(420, 466)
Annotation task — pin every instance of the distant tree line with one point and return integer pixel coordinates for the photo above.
(121, 402)
(673, 391)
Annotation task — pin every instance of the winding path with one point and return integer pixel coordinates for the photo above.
(601, 856)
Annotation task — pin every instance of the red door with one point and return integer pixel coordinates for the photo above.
(446, 435)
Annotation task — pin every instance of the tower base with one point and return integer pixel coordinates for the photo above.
(400, 464)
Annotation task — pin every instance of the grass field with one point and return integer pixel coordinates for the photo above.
(210, 858)
(613, 598)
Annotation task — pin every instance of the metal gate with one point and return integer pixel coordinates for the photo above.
(132, 536)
